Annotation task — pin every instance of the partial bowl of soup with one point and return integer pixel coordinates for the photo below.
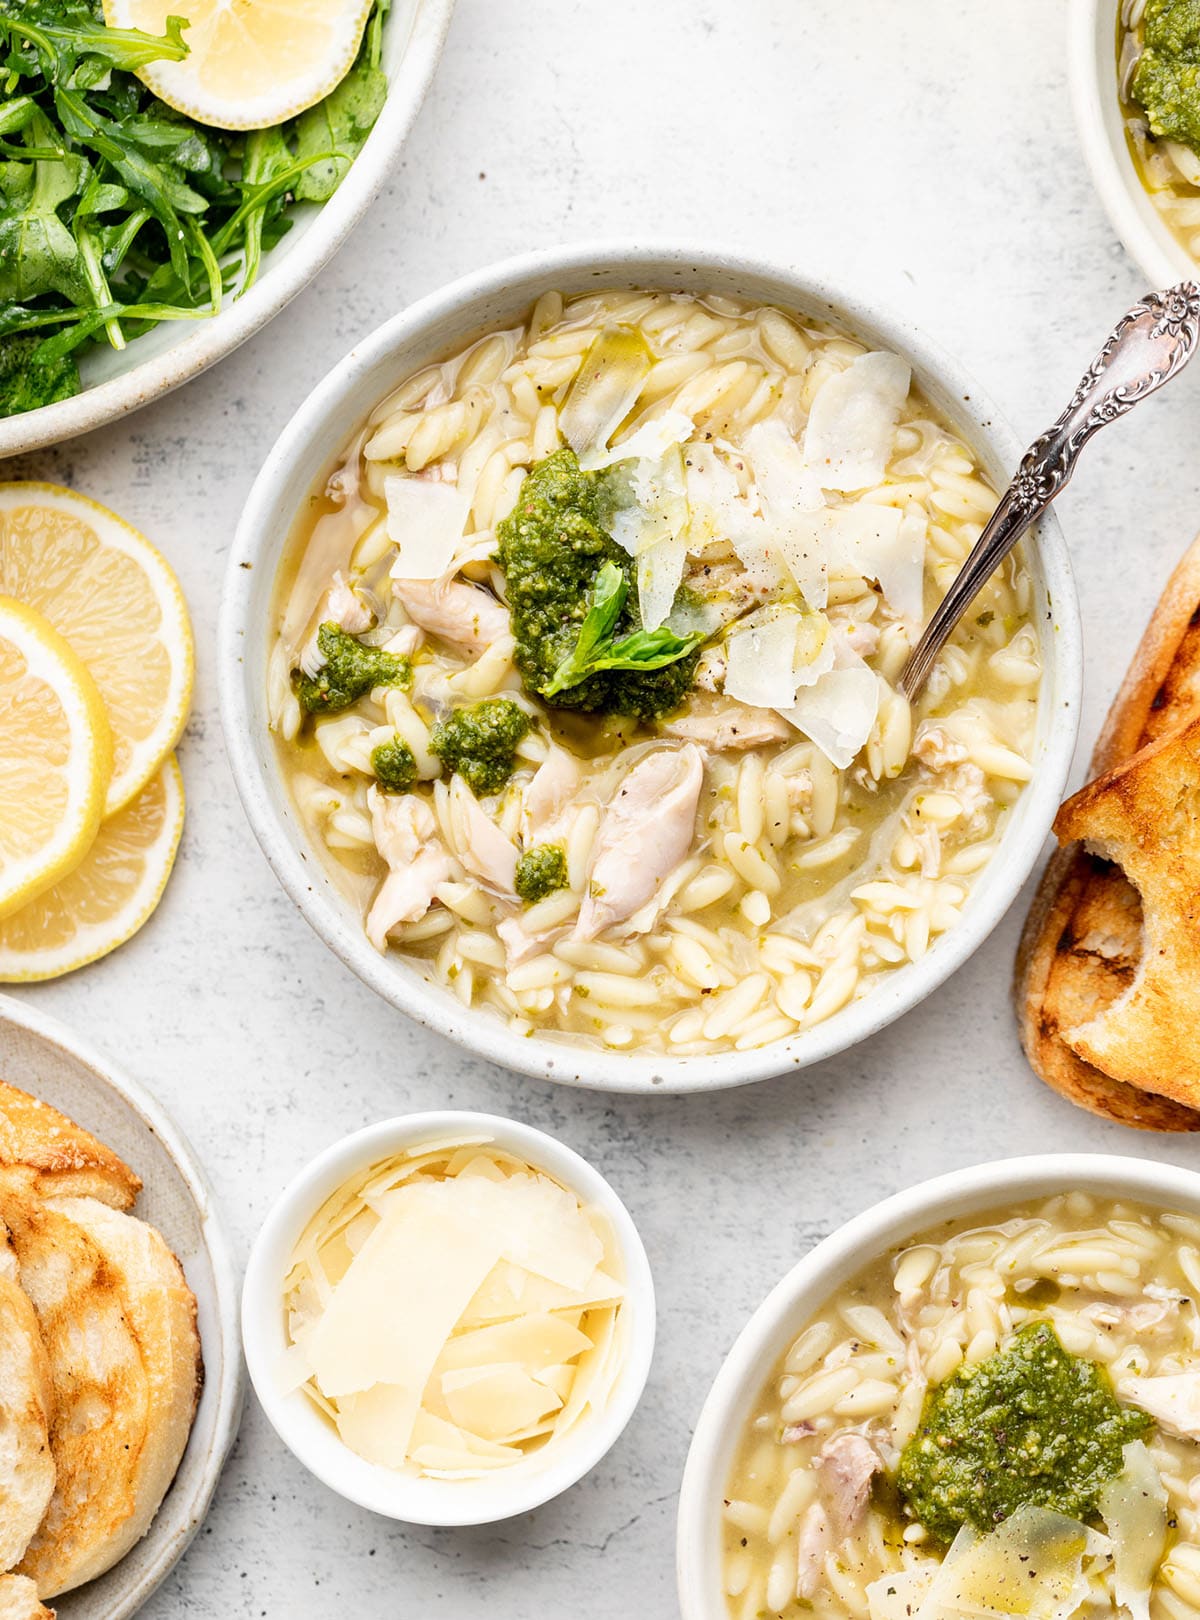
(980, 1397)
(560, 655)
(1137, 109)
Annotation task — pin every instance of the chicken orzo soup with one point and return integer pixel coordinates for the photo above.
(1001, 1417)
(584, 676)
(1158, 53)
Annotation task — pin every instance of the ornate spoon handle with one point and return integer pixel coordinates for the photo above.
(1149, 345)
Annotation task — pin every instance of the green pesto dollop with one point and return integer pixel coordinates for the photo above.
(350, 670)
(551, 548)
(541, 871)
(394, 765)
(480, 743)
(1166, 80)
(1031, 1424)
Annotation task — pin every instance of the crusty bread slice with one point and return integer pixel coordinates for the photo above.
(69, 1161)
(1082, 942)
(119, 1325)
(26, 1463)
(19, 1600)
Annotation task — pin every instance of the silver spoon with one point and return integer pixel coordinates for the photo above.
(1149, 345)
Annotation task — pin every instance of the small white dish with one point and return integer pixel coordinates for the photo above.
(1092, 68)
(312, 1439)
(810, 1283)
(305, 450)
(114, 384)
(41, 1057)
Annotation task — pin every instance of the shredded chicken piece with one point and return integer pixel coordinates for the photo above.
(730, 728)
(406, 836)
(346, 609)
(547, 796)
(482, 847)
(813, 1542)
(460, 613)
(935, 747)
(795, 1432)
(1147, 1316)
(1172, 1400)
(848, 1463)
(645, 833)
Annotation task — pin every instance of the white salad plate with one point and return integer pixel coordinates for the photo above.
(834, 1261)
(42, 1057)
(114, 384)
(304, 455)
(1092, 66)
(312, 1438)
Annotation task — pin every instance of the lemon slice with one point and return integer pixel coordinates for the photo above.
(55, 756)
(116, 600)
(250, 63)
(108, 896)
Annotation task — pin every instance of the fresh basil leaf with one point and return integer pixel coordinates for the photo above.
(595, 650)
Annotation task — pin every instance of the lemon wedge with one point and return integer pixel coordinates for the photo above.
(108, 896)
(55, 756)
(120, 607)
(250, 63)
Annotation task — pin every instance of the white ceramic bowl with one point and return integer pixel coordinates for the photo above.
(114, 384)
(305, 453)
(1092, 66)
(47, 1060)
(509, 1491)
(793, 1302)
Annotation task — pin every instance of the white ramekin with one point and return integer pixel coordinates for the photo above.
(805, 1289)
(1092, 66)
(306, 1433)
(304, 454)
(176, 351)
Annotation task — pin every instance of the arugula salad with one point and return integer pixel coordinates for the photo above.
(117, 212)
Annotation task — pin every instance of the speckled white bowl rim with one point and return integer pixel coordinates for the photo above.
(208, 341)
(1092, 72)
(836, 1259)
(124, 1589)
(312, 1440)
(308, 445)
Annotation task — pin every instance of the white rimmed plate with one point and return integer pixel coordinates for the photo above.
(44, 1058)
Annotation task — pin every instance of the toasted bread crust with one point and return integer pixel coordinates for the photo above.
(19, 1600)
(1061, 977)
(26, 1410)
(68, 1160)
(119, 1325)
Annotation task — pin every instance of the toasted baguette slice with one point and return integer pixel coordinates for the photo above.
(26, 1464)
(119, 1325)
(69, 1161)
(19, 1600)
(1082, 941)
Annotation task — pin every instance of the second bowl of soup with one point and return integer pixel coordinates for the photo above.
(561, 649)
(980, 1398)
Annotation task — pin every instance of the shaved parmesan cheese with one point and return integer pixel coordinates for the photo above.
(719, 512)
(497, 1402)
(899, 1596)
(650, 442)
(773, 654)
(425, 519)
(1031, 1565)
(852, 423)
(883, 545)
(1134, 1509)
(837, 713)
(653, 530)
(446, 1308)
(790, 496)
(605, 389)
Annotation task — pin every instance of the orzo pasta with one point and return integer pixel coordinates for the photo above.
(1015, 1391)
(584, 679)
